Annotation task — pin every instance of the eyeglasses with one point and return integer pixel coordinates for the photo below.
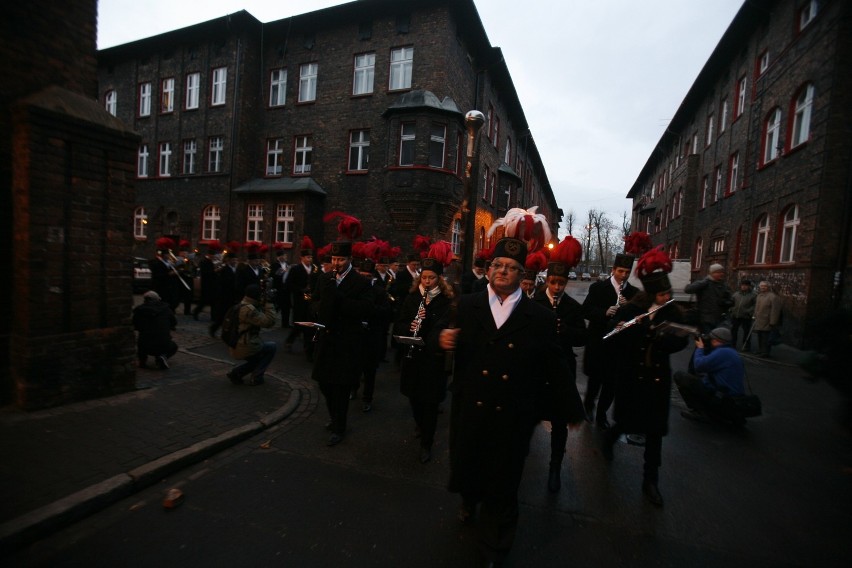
(498, 266)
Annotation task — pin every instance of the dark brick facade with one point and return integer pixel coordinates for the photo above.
(454, 69)
(806, 186)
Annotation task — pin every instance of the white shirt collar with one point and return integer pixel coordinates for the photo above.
(501, 311)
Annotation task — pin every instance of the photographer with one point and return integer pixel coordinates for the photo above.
(255, 312)
(721, 370)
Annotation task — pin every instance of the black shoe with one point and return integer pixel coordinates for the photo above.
(161, 362)
(635, 439)
(652, 493)
(602, 424)
(554, 479)
(425, 455)
(334, 439)
(366, 407)
(234, 378)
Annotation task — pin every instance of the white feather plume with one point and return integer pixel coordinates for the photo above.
(526, 225)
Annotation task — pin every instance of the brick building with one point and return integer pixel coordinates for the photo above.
(754, 170)
(252, 131)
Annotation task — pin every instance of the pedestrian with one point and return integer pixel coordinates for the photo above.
(255, 312)
(767, 318)
(250, 272)
(207, 277)
(187, 271)
(571, 332)
(377, 333)
(477, 272)
(713, 298)
(280, 272)
(643, 384)
(604, 299)
(226, 288)
(154, 320)
(164, 276)
(742, 314)
(506, 349)
(342, 302)
(423, 370)
(300, 282)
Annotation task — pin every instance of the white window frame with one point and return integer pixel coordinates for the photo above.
(761, 240)
(190, 150)
(807, 14)
(742, 89)
(437, 145)
(507, 154)
(455, 237)
(211, 220)
(216, 147)
(699, 254)
(705, 191)
(167, 95)
(165, 161)
(303, 155)
(718, 245)
(763, 63)
(407, 140)
(709, 139)
(789, 233)
(486, 175)
(771, 136)
(220, 86)
(285, 219)
(801, 129)
(142, 162)
(733, 172)
(359, 150)
(496, 139)
(278, 87)
(364, 74)
(275, 157)
(111, 102)
(254, 222)
(401, 68)
(723, 115)
(140, 223)
(193, 91)
(717, 185)
(308, 82)
(145, 99)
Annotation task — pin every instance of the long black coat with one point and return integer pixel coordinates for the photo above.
(226, 292)
(597, 358)
(299, 284)
(498, 381)
(154, 321)
(423, 377)
(644, 376)
(343, 309)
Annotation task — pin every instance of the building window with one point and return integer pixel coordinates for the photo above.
(709, 139)
(278, 87)
(480, 245)
(145, 99)
(455, 237)
(140, 223)
(193, 91)
(308, 82)
(807, 14)
(111, 102)
(437, 145)
(718, 245)
(365, 71)
(406, 144)
(492, 189)
(284, 219)
(167, 95)
(303, 155)
(763, 63)
(741, 96)
(359, 150)
(220, 84)
(485, 177)
(211, 219)
(723, 115)
(190, 148)
(496, 139)
(801, 129)
(507, 154)
(733, 172)
(142, 163)
(254, 222)
(214, 163)
(705, 192)
(771, 136)
(165, 159)
(761, 239)
(698, 257)
(402, 63)
(717, 185)
(788, 234)
(275, 157)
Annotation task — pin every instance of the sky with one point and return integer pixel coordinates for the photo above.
(598, 81)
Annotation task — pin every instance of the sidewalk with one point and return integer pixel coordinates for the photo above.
(64, 463)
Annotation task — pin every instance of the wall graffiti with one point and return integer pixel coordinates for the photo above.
(791, 285)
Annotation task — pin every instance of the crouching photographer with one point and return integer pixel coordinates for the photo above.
(720, 373)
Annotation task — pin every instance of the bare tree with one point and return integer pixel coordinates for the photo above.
(568, 222)
(587, 237)
(625, 224)
(599, 223)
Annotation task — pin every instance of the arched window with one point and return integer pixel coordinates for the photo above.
(211, 218)
(771, 135)
(788, 234)
(699, 254)
(456, 236)
(111, 102)
(761, 239)
(800, 130)
(140, 223)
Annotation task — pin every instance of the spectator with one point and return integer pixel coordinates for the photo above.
(254, 313)
(154, 320)
(742, 314)
(714, 298)
(767, 318)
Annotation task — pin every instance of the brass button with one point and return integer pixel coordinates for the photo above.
(478, 403)
(511, 346)
(505, 377)
(484, 372)
(498, 408)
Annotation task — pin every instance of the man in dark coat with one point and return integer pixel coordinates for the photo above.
(342, 303)
(477, 272)
(604, 299)
(301, 280)
(164, 279)
(506, 350)
(280, 274)
(377, 333)
(154, 320)
(226, 291)
(713, 297)
(207, 276)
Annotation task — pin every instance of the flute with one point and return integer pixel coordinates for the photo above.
(635, 320)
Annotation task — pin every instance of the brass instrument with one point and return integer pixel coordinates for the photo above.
(418, 321)
(635, 320)
(173, 261)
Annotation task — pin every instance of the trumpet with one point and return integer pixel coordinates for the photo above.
(635, 320)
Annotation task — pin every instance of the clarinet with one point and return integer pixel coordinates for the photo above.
(418, 321)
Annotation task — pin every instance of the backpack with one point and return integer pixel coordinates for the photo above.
(231, 326)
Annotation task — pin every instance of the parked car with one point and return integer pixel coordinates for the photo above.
(586, 276)
(141, 275)
(572, 275)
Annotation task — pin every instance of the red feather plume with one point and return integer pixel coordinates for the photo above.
(324, 251)
(252, 247)
(349, 227)
(536, 261)
(165, 243)
(214, 246)
(307, 243)
(233, 246)
(442, 251)
(486, 254)
(421, 244)
(637, 243)
(653, 261)
(568, 252)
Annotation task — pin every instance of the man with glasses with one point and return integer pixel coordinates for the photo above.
(506, 350)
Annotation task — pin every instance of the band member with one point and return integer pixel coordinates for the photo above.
(423, 373)
(226, 288)
(474, 274)
(571, 331)
(251, 272)
(643, 384)
(536, 262)
(207, 276)
(164, 276)
(300, 282)
(377, 332)
(280, 271)
(187, 271)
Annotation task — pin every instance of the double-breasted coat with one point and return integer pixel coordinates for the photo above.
(601, 296)
(422, 376)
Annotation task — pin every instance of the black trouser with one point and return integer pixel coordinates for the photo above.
(692, 390)
(558, 439)
(653, 452)
(745, 324)
(426, 418)
(603, 384)
(337, 402)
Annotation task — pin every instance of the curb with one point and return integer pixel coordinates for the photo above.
(23, 530)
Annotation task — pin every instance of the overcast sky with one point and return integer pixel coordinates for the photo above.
(598, 81)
